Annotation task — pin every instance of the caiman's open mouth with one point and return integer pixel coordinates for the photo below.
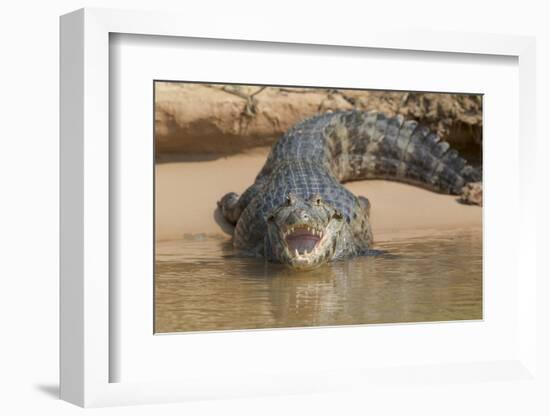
(302, 239)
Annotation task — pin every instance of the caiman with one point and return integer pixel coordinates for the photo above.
(297, 212)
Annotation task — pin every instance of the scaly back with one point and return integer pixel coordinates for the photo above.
(358, 145)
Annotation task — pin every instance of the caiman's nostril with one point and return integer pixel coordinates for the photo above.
(304, 216)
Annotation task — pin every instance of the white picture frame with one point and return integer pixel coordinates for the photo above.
(86, 356)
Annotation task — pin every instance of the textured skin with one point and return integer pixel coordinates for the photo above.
(317, 155)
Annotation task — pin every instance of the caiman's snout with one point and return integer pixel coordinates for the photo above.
(302, 232)
(302, 215)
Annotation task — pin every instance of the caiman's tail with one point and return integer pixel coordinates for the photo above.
(369, 145)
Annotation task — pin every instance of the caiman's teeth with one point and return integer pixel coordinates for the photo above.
(296, 252)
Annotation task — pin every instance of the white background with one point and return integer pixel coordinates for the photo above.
(138, 60)
(29, 208)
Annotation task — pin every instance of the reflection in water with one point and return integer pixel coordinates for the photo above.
(201, 284)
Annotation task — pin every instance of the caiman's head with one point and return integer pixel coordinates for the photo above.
(303, 234)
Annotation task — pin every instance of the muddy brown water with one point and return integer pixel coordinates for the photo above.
(201, 284)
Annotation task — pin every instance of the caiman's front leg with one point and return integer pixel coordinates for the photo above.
(361, 227)
(230, 207)
(365, 205)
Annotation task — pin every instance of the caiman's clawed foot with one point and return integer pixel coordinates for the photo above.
(230, 208)
(472, 194)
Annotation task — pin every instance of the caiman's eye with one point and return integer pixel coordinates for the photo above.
(290, 199)
(317, 199)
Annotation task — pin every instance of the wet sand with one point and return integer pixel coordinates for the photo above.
(186, 195)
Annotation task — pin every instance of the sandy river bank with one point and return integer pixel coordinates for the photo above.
(186, 195)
